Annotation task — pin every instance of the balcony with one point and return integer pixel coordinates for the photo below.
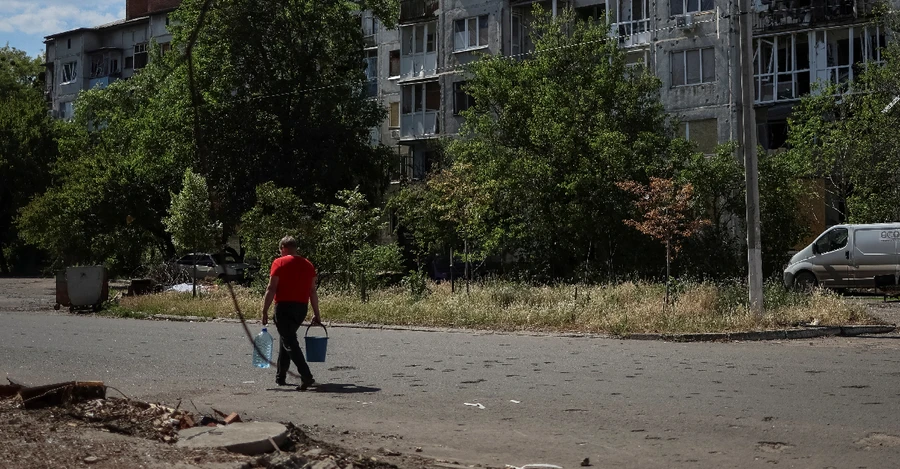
(412, 11)
(632, 33)
(101, 82)
(781, 15)
(418, 65)
(418, 125)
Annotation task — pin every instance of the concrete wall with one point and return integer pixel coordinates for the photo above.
(452, 10)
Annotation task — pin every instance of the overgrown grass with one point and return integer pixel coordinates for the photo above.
(623, 308)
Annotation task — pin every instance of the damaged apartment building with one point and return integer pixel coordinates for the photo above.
(691, 45)
(89, 57)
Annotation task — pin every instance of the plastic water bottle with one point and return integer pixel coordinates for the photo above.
(263, 343)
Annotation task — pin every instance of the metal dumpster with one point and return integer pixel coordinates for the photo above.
(82, 288)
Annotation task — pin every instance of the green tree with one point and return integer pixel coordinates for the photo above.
(27, 148)
(120, 158)
(189, 221)
(347, 244)
(277, 213)
(548, 138)
(280, 98)
(847, 136)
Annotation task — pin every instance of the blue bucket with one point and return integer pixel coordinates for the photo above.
(316, 347)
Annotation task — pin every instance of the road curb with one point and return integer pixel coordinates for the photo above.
(782, 334)
(852, 331)
(172, 317)
(785, 334)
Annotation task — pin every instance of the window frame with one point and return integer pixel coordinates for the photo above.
(481, 22)
(64, 79)
(830, 236)
(460, 95)
(686, 69)
(686, 7)
(143, 50)
(394, 115)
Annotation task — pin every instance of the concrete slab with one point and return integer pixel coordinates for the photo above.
(246, 437)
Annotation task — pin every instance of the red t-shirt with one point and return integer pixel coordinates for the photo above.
(295, 278)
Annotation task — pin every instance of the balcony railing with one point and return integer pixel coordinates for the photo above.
(778, 15)
(418, 125)
(418, 65)
(415, 10)
(632, 33)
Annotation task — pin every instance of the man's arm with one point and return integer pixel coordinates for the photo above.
(314, 301)
(270, 295)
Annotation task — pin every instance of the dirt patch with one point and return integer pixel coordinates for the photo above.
(27, 294)
(113, 433)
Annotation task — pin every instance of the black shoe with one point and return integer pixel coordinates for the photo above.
(306, 384)
(280, 382)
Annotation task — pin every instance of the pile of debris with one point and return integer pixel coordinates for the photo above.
(49, 422)
(86, 401)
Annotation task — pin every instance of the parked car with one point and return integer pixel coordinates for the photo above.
(848, 256)
(212, 266)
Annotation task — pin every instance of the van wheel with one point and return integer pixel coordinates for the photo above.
(805, 281)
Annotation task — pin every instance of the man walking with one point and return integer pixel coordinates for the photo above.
(292, 285)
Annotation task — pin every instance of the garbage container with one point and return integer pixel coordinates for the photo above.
(87, 287)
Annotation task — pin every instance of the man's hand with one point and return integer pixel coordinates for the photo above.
(265, 318)
(316, 320)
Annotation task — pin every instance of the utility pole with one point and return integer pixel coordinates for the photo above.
(751, 170)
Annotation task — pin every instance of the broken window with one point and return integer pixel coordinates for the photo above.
(140, 55)
(680, 7)
(781, 67)
(69, 72)
(461, 100)
(632, 16)
(418, 39)
(470, 33)
(693, 67)
(421, 97)
(104, 64)
(371, 61)
(394, 63)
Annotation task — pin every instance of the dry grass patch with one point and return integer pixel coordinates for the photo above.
(623, 308)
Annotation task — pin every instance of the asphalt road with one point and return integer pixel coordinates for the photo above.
(811, 404)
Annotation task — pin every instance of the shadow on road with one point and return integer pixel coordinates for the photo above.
(335, 388)
(338, 388)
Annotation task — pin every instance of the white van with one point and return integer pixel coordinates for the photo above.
(847, 256)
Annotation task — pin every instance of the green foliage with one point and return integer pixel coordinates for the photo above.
(120, 159)
(416, 281)
(281, 99)
(189, 220)
(534, 170)
(850, 139)
(346, 242)
(276, 214)
(27, 148)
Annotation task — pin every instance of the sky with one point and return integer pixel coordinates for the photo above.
(24, 23)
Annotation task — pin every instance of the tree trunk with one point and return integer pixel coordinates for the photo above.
(668, 276)
(452, 278)
(4, 269)
(466, 247)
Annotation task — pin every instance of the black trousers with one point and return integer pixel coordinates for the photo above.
(288, 318)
